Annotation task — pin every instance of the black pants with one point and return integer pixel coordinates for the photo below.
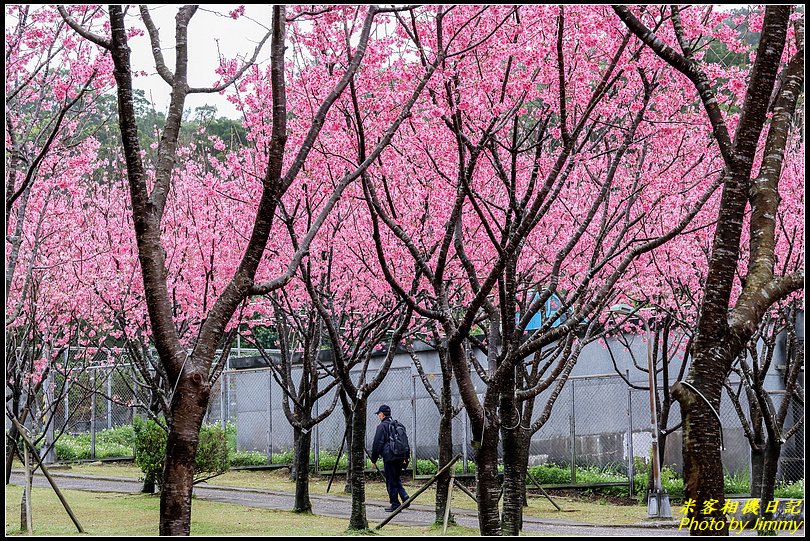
(393, 482)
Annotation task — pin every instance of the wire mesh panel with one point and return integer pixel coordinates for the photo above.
(254, 420)
(601, 423)
(427, 419)
(553, 443)
(396, 391)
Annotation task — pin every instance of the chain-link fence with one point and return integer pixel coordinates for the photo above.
(597, 423)
(588, 430)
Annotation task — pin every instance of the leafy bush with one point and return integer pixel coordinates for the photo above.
(459, 467)
(123, 436)
(672, 483)
(287, 457)
(230, 434)
(737, 483)
(72, 448)
(551, 474)
(425, 467)
(790, 490)
(248, 458)
(212, 452)
(150, 450)
(326, 461)
(114, 442)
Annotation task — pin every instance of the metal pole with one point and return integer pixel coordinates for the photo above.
(413, 424)
(93, 414)
(317, 442)
(269, 417)
(67, 390)
(50, 456)
(109, 400)
(658, 503)
(573, 430)
(222, 387)
(466, 439)
(630, 466)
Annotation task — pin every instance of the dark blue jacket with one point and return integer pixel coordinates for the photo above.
(380, 447)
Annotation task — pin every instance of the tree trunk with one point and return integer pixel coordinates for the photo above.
(487, 489)
(348, 414)
(296, 452)
(12, 441)
(445, 450)
(301, 462)
(770, 466)
(514, 468)
(758, 452)
(358, 520)
(188, 411)
(703, 479)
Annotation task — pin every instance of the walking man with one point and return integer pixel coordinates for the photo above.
(391, 442)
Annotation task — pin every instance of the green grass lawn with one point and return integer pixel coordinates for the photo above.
(104, 514)
(582, 509)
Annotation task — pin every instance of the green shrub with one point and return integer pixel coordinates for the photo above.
(287, 457)
(551, 474)
(425, 467)
(459, 467)
(212, 452)
(230, 434)
(72, 448)
(737, 483)
(122, 436)
(326, 461)
(794, 491)
(150, 450)
(248, 458)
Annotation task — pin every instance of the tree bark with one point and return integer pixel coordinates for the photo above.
(701, 440)
(487, 490)
(445, 448)
(770, 465)
(358, 520)
(188, 410)
(347, 422)
(303, 443)
(514, 469)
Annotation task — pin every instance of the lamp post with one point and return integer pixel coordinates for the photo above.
(658, 498)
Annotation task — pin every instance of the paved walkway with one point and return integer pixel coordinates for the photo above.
(340, 506)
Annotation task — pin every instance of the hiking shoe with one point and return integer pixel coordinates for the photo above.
(391, 509)
(406, 506)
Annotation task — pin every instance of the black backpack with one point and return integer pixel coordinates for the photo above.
(398, 440)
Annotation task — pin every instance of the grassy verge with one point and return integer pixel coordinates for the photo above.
(101, 515)
(591, 509)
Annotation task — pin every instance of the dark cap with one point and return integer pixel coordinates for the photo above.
(384, 409)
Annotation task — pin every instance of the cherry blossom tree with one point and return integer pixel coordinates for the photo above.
(52, 83)
(765, 426)
(188, 373)
(530, 185)
(731, 310)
